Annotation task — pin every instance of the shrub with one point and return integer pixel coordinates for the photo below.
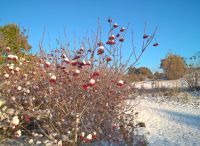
(80, 94)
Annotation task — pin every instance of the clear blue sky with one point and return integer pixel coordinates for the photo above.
(178, 22)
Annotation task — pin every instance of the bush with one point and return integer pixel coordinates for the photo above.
(78, 94)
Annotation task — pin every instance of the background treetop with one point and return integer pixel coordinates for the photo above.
(174, 66)
(16, 39)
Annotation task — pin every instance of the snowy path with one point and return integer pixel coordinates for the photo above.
(170, 124)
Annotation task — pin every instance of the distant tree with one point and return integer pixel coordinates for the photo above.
(11, 36)
(158, 75)
(174, 66)
(146, 72)
(131, 70)
(140, 74)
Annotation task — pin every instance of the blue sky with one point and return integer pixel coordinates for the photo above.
(178, 22)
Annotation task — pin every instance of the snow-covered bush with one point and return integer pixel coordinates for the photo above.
(80, 94)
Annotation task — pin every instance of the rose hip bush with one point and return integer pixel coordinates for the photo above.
(80, 94)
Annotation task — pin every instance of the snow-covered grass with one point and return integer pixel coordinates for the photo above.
(170, 123)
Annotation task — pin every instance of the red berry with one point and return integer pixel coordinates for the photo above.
(85, 87)
(10, 57)
(95, 74)
(15, 58)
(120, 83)
(118, 35)
(122, 29)
(94, 136)
(115, 25)
(74, 63)
(81, 49)
(100, 50)
(88, 138)
(145, 36)
(155, 44)
(108, 42)
(108, 59)
(88, 63)
(82, 135)
(53, 79)
(76, 57)
(112, 37)
(121, 39)
(47, 64)
(111, 42)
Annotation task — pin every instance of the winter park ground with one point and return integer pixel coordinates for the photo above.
(171, 121)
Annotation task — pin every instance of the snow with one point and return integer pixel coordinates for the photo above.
(160, 84)
(170, 123)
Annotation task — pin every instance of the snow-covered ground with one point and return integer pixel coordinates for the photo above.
(160, 84)
(170, 123)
